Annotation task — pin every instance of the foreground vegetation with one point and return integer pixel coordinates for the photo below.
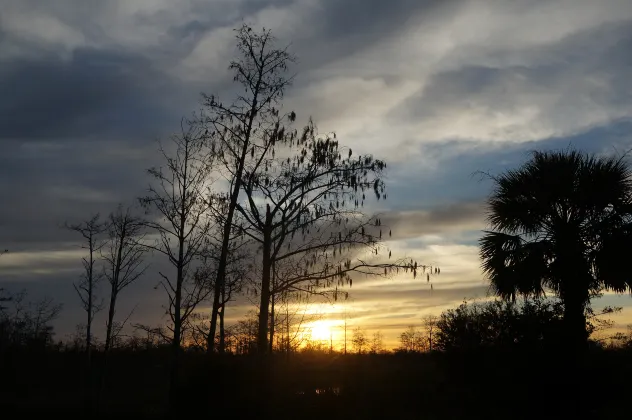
(483, 384)
(489, 359)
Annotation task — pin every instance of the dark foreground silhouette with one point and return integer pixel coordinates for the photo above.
(481, 384)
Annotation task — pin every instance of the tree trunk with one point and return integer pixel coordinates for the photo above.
(115, 285)
(345, 331)
(575, 298)
(574, 288)
(108, 344)
(287, 329)
(575, 321)
(272, 318)
(262, 336)
(223, 259)
(108, 329)
(175, 354)
(222, 333)
(90, 303)
(177, 329)
(234, 196)
(264, 305)
(89, 327)
(271, 343)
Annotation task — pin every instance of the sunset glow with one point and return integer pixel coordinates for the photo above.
(320, 331)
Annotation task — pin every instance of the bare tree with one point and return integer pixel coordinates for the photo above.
(86, 288)
(243, 335)
(245, 129)
(124, 260)
(359, 340)
(236, 272)
(412, 340)
(182, 226)
(430, 325)
(28, 323)
(377, 343)
(154, 336)
(238, 266)
(291, 320)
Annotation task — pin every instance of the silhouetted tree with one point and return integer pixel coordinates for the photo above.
(303, 209)
(622, 339)
(124, 260)
(4, 297)
(26, 324)
(182, 225)
(242, 130)
(430, 326)
(359, 340)
(499, 324)
(412, 340)
(238, 267)
(86, 288)
(244, 335)
(377, 343)
(236, 272)
(287, 304)
(291, 317)
(562, 222)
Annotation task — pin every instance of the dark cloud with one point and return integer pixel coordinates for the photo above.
(455, 217)
(45, 185)
(95, 94)
(210, 16)
(338, 29)
(373, 20)
(77, 136)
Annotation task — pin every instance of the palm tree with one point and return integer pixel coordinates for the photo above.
(562, 222)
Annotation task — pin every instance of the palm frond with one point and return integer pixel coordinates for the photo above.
(514, 266)
(610, 262)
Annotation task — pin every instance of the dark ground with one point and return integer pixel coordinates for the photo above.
(486, 385)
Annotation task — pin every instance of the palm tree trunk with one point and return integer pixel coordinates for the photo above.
(576, 335)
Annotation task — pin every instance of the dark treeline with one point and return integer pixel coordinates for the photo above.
(502, 353)
(246, 205)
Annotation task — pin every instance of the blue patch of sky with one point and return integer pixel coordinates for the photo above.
(455, 178)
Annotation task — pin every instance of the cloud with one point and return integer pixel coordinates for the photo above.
(94, 94)
(473, 84)
(573, 90)
(456, 217)
(77, 136)
(439, 89)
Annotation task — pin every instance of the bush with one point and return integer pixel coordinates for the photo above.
(499, 323)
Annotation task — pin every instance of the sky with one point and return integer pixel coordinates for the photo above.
(438, 89)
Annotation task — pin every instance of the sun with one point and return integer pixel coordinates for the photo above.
(320, 331)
